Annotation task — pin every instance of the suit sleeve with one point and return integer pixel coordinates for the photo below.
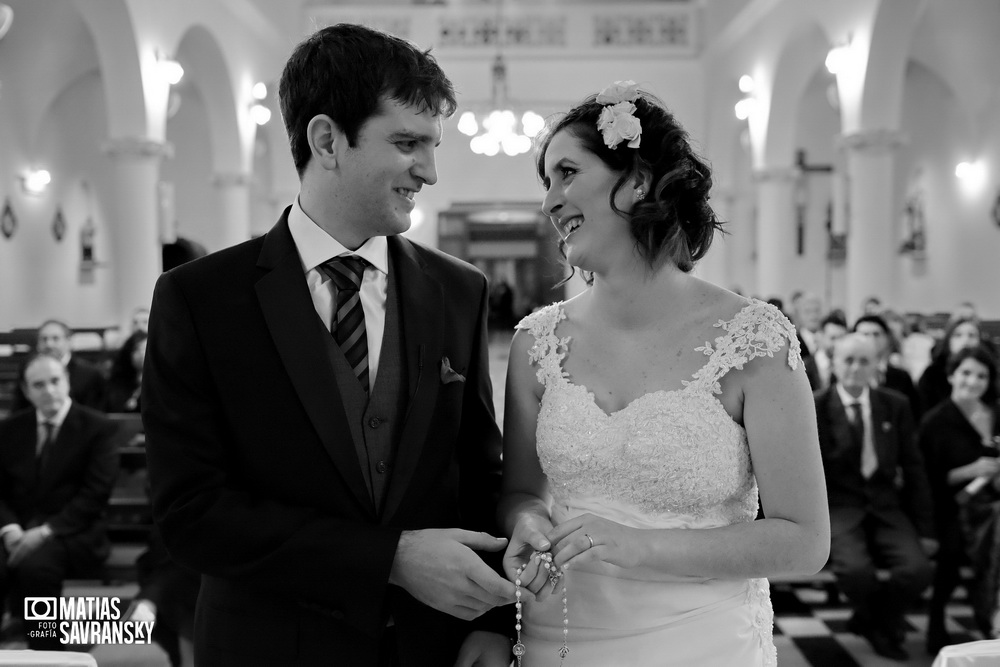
(91, 499)
(481, 444)
(916, 489)
(210, 521)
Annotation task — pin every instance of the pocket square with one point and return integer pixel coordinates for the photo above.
(448, 374)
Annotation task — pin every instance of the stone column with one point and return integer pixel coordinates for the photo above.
(137, 259)
(233, 195)
(775, 229)
(871, 243)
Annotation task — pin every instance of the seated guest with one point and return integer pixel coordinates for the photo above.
(125, 379)
(887, 375)
(57, 468)
(866, 439)
(934, 385)
(86, 382)
(959, 438)
(807, 314)
(831, 329)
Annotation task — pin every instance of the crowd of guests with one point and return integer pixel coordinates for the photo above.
(58, 468)
(910, 438)
(908, 425)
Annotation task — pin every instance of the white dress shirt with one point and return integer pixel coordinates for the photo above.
(315, 246)
(864, 402)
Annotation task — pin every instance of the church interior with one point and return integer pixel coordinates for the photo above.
(855, 151)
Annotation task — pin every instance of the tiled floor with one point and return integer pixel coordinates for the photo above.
(811, 631)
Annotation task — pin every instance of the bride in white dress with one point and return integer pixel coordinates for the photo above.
(643, 415)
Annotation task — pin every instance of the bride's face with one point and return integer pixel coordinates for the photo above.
(578, 185)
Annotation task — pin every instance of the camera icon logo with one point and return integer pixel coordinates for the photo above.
(40, 609)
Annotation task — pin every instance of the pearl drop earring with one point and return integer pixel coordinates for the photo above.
(640, 194)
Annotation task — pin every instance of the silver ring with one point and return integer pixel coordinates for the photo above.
(591, 540)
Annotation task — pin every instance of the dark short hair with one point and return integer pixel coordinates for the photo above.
(32, 358)
(983, 356)
(834, 318)
(874, 319)
(675, 219)
(345, 71)
(62, 325)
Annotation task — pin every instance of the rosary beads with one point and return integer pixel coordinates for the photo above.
(554, 576)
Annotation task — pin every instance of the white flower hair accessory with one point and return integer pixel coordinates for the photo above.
(617, 122)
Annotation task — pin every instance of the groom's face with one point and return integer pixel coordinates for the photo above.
(392, 161)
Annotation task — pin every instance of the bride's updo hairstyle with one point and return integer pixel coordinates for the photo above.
(674, 221)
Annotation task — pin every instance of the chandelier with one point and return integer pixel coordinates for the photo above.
(500, 129)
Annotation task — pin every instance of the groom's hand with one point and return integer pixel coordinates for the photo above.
(440, 568)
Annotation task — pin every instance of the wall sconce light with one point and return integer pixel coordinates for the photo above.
(169, 69)
(971, 174)
(34, 181)
(839, 58)
(745, 107)
(260, 113)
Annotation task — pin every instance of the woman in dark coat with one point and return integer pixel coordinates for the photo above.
(959, 438)
(125, 378)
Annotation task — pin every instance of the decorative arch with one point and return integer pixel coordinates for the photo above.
(891, 35)
(199, 53)
(110, 22)
(802, 56)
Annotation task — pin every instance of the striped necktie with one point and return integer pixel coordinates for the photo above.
(348, 325)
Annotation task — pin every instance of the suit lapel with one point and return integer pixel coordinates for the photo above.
(297, 333)
(880, 437)
(420, 307)
(839, 426)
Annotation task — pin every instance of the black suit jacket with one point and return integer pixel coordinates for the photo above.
(900, 381)
(256, 482)
(948, 441)
(87, 386)
(72, 491)
(897, 452)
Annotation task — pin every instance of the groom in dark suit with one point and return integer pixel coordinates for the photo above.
(880, 503)
(317, 402)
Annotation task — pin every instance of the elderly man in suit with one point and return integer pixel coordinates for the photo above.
(87, 385)
(57, 467)
(319, 415)
(880, 503)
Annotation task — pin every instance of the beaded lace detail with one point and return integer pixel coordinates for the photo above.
(669, 453)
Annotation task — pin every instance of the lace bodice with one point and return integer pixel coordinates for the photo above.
(675, 452)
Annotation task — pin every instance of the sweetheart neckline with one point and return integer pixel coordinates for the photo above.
(666, 392)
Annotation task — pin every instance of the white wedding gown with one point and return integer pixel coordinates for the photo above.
(669, 459)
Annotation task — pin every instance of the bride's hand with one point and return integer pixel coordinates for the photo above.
(588, 538)
(528, 537)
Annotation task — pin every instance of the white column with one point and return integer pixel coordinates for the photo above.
(233, 194)
(775, 229)
(137, 259)
(871, 244)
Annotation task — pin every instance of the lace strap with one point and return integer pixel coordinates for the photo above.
(758, 330)
(548, 351)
